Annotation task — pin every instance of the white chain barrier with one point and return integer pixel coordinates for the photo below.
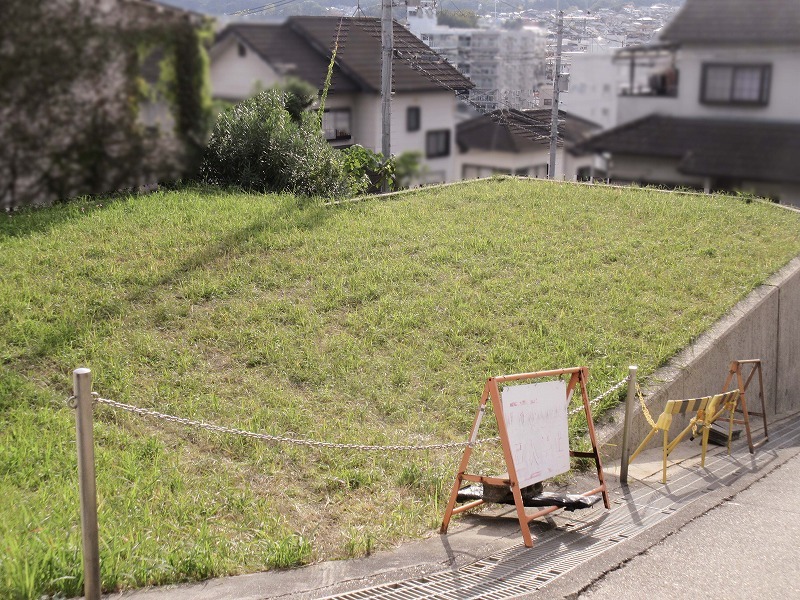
(313, 443)
(595, 401)
(279, 438)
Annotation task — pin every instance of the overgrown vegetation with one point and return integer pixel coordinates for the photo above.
(370, 322)
(72, 113)
(369, 170)
(273, 143)
(259, 145)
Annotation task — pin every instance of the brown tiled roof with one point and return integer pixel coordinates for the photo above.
(302, 46)
(735, 22)
(519, 130)
(290, 54)
(753, 150)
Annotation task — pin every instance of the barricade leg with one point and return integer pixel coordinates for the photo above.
(647, 438)
(704, 445)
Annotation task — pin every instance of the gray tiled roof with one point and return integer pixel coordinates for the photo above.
(511, 130)
(751, 150)
(735, 22)
(302, 46)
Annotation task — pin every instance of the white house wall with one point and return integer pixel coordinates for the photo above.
(591, 162)
(630, 108)
(235, 77)
(437, 112)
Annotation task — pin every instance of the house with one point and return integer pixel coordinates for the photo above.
(246, 57)
(717, 107)
(517, 142)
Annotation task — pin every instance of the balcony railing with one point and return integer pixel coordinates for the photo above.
(662, 84)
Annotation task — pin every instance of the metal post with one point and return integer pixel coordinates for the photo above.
(556, 82)
(82, 390)
(629, 403)
(387, 50)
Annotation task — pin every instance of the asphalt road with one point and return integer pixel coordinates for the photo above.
(748, 547)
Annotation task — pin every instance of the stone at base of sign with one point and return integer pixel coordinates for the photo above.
(532, 496)
(501, 494)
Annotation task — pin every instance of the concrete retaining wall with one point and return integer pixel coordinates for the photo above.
(765, 325)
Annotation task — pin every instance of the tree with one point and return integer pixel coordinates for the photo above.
(72, 94)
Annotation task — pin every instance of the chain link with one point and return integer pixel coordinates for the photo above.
(305, 442)
(595, 401)
(646, 412)
(284, 439)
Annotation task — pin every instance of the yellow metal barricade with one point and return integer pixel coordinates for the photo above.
(706, 410)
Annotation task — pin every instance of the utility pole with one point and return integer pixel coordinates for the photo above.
(387, 48)
(551, 171)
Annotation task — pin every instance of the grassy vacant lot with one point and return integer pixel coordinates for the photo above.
(374, 322)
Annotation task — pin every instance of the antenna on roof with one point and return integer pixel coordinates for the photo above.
(359, 10)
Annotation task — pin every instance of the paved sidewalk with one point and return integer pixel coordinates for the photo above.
(744, 548)
(574, 553)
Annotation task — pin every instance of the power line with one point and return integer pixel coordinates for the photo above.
(504, 114)
(257, 9)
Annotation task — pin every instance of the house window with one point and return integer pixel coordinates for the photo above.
(242, 49)
(336, 124)
(413, 118)
(437, 143)
(736, 84)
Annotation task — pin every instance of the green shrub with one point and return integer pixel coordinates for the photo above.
(407, 167)
(258, 146)
(368, 170)
(300, 96)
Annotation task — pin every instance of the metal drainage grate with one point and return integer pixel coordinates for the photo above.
(519, 570)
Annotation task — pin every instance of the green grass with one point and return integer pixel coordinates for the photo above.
(375, 322)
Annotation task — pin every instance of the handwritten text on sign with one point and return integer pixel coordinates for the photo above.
(535, 416)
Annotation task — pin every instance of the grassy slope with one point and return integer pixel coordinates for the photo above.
(373, 322)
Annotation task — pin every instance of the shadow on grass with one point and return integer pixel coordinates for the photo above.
(73, 330)
(32, 220)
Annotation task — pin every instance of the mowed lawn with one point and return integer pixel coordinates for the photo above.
(372, 322)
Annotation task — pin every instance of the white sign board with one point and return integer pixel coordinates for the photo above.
(535, 416)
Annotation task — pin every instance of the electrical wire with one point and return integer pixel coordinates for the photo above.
(258, 9)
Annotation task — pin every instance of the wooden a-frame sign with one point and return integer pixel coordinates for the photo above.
(491, 391)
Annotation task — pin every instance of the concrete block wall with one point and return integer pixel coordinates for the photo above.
(764, 325)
